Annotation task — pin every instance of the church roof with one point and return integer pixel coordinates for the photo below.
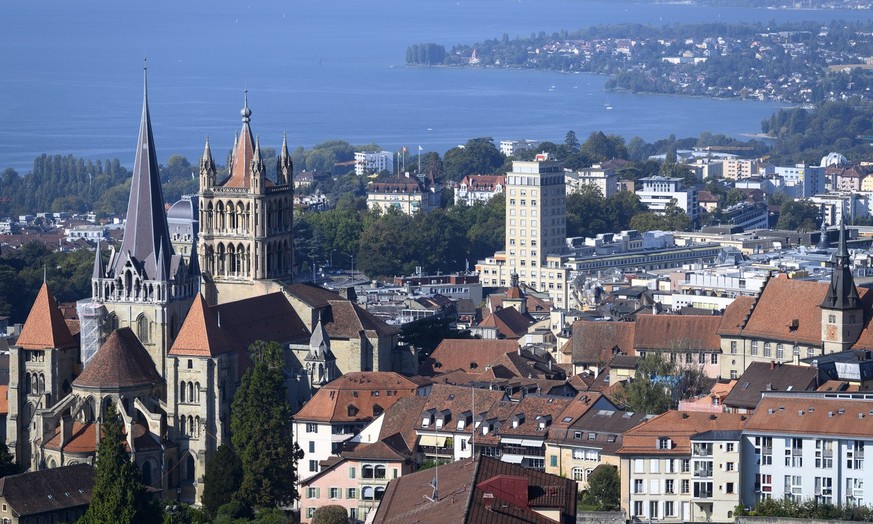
(842, 293)
(146, 233)
(244, 152)
(45, 327)
(201, 335)
(121, 362)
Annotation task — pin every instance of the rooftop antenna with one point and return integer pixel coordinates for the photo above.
(473, 438)
(43, 273)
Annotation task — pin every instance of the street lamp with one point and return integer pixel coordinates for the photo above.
(331, 258)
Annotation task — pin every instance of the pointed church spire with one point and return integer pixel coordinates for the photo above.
(285, 167)
(243, 151)
(842, 293)
(45, 327)
(99, 269)
(145, 232)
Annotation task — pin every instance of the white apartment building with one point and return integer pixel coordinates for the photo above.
(510, 147)
(657, 192)
(373, 162)
(536, 230)
(809, 446)
(479, 188)
(802, 181)
(603, 179)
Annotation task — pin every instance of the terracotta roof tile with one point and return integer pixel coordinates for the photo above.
(349, 319)
(471, 355)
(243, 152)
(596, 342)
(461, 488)
(784, 301)
(4, 399)
(735, 316)
(266, 317)
(401, 418)
(45, 327)
(201, 335)
(355, 397)
(679, 426)
(677, 332)
(121, 362)
(509, 323)
(846, 418)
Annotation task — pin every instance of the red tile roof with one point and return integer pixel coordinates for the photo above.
(509, 323)
(121, 362)
(45, 327)
(677, 332)
(734, 318)
(200, 335)
(594, 342)
(785, 302)
(679, 426)
(847, 418)
(471, 355)
(354, 397)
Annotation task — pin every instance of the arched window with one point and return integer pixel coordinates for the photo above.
(147, 473)
(197, 392)
(367, 493)
(34, 384)
(380, 472)
(51, 463)
(191, 429)
(367, 472)
(189, 468)
(41, 383)
(183, 425)
(182, 392)
(197, 426)
(142, 328)
(112, 321)
(27, 384)
(190, 392)
(380, 492)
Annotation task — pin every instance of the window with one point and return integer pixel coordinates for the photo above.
(335, 493)
(766, 349)
(729, 447)
(653, 509)
(729, 466)
(793, 487)
(733, 374)
(352, 493)
(855, 455)
(713, 358)
(352, 472)
(669, 510)
(729, 487)
(579, 474)
(686, 465)
(701, 358)
(639, 487)
(553, 461)
(638, 508)
(754, 350)
(669, 487)
(380, 472)
(310, 512)
(664, 443)
(311, 428)
(824, 454)
(780, 351)
(312, 446)
(313, 466)
(577, 435)
(367, 472)
(592, 436)
(685, 486)
(655, 466)
(639, 466)
(312, 493)
(733, 347)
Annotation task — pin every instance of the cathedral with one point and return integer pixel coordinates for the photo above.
(164, 335)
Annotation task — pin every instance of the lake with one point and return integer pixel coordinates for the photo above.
(71, 75)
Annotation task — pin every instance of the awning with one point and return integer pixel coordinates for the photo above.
(512, 459)
(532, 443)
(432, 440)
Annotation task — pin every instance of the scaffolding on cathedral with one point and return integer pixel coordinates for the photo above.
(92, 323)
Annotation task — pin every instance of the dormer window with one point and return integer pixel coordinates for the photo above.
(665, 443)
(352, 410)
(517, 420)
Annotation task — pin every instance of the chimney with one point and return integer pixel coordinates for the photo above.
(349, 294)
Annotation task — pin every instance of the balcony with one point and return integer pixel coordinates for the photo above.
(436, 451)
(523, 450)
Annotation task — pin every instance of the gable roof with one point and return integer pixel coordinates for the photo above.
(677, 332)
(679, 427)
(735, 315)
(121, 362)
(594, 341)
(265, 317)
(846, 417)
(765, 376)
(462, 485)
(508, 321)
(45, 327)
(48, 490)
(353, 397)
(470, 355)
(348, 320)
(784, 303)
(200, 335)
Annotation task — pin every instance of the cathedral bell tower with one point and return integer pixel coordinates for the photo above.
(245, 221)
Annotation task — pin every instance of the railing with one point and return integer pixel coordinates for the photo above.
(523, 450)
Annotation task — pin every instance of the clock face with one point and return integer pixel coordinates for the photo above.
(831, 332)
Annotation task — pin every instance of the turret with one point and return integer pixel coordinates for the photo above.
(207, 168)
(284, 168)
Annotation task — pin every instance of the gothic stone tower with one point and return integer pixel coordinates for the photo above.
(842, 314)
(245, 241)
(145, 286)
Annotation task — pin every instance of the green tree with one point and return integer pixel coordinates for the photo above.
(799, 216)
(571, 140)
(118, 496)
(330, 514)
(479, 156)
(262, 432)
(604, 488)
(222, 479)
(8, 466)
